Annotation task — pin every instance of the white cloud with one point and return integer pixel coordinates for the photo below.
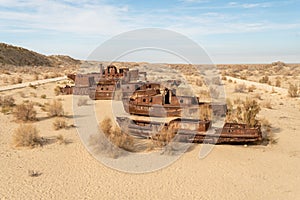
(249, 5)
(83, 18)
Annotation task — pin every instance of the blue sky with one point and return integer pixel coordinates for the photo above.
(230, 31)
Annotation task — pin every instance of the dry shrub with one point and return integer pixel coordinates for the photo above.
(7, 101)
(273, 90)
(269, 83)
(237, 101)
(25, 112)
(57, 90)
(199, 82)
(43, 96)
(267, 134)
(55, 109)
(251, 88)
(33, 173)
(264, 79)
(59, 123)
(45, 76)
(32, 86)
(240, 88)
(60, 139)
(82, 102)
(243, 77)
(251, 109)
(293, 90)
(115, 135)
(19, 80)
(278, 83)
(26, 136)
(245, 112)
(112, 139)
(36, 77)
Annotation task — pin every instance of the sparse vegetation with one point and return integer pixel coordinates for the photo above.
(25, 112)
(26, 136)
(240, 88)
(59, 123)
(115, 135)
(43, 96)
(293, 90)
(264, 79)
(61, 139)
(278, 83)
(199, 82)
(57, 90)
(55, 109)
(251, 88)
(6, 103)
(244, 112)
(33, 173)
(111, 140)
(251, 109)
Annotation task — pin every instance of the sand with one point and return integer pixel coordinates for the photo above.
(228, 172)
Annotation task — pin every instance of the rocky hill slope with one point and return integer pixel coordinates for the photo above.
(18, 56)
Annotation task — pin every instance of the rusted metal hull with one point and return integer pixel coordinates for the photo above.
(152, 110)
(196, 131)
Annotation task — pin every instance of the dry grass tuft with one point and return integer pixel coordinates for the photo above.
(293, 90)
(57, 90)
(264, 79)
(60, 139)
(25, 112)
(26, 136)
(245, 112)
(251, 88)
(55, 109)
(59, 123)
(6, 103)
(33, 173)
(113, 140)
(240, 88)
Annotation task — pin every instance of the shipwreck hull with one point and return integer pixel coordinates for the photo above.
(156, 110)
(195, 131)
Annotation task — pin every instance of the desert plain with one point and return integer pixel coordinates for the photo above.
(62, 168)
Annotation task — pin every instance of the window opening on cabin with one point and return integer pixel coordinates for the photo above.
(167, 97)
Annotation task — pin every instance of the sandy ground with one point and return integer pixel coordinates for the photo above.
(228, 172)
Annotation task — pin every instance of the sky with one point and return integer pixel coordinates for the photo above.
(229, 31)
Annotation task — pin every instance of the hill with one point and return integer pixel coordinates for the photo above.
(18, 56)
